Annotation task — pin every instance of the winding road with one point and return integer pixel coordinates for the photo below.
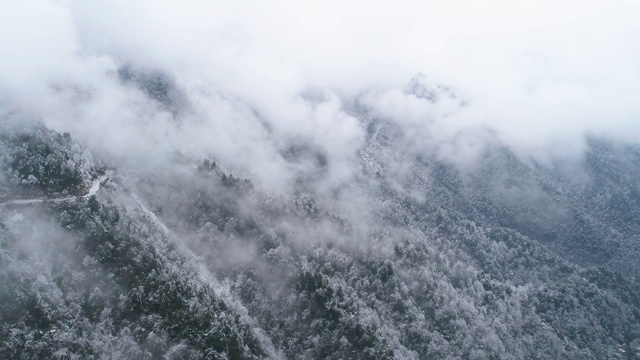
(95, 187)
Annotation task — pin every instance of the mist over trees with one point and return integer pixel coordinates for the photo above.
(509, 259)
(200, 182)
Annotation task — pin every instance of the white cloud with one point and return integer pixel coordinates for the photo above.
(541, 73)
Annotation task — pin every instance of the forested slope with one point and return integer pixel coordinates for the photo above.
(508, 259)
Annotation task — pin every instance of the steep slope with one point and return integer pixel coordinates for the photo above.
(97, 276)
(413, 258)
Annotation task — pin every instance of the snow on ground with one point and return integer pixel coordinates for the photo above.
(95, 187)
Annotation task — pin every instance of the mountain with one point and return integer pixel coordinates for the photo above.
(413, 256)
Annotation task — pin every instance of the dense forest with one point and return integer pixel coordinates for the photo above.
(415, 257)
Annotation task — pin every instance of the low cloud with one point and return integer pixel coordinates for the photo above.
(261, 78)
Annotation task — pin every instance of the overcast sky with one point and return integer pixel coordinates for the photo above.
(541, 73)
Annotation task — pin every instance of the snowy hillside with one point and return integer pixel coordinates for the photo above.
(507, 260)
(319, 180)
